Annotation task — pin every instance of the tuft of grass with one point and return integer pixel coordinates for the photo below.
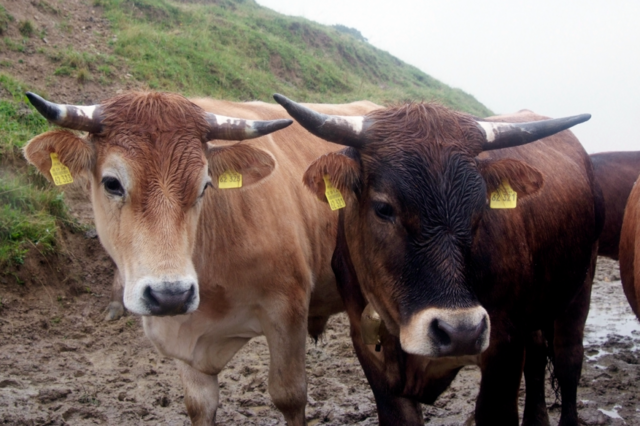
(45, 7)
(83, 75)
(13, 45)
(26, 28)
(5, 19)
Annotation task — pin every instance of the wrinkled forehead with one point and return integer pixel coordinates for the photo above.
(155, 167)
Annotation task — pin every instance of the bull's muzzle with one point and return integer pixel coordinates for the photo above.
(446, 332)
(168, 301)
(163, 297)
(458, 340)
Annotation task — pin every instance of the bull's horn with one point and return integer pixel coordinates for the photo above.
(237, 129)
(504, 135)
(85, 118)
(340, 129)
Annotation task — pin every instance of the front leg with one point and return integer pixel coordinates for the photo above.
(115, 310)
(393, 408)
(201, 394)
(284, 324)
(501, 366)
(535, 363)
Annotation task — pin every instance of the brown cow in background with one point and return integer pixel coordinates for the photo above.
(615, 172)
(419, 245)
(630, 250)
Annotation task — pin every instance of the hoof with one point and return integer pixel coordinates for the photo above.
(115, 311)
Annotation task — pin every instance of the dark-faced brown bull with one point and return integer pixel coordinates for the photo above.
(208, 267)
(454, 281)
(615, 172)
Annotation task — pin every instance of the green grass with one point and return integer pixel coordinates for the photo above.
(30, 209)
(239, 50)
(5, 19)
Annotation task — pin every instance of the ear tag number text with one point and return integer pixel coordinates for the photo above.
(230, 179)
(334, 197)
(59, 172)
(504, 197)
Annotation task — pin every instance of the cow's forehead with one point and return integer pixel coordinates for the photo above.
(149, 113)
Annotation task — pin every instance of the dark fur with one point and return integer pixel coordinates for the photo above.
(531, 267)
(615, 172)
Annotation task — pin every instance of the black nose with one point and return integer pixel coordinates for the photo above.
(168, 300)
(457, 341)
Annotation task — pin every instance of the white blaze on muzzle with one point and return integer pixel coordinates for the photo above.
(436, 332)
(162, 296)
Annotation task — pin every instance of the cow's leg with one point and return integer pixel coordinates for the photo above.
(285, 326)
(569, 352)
(392, 409)
(397, 411)
(115, 310)
(535, 363)
(501, 366)
(201, 394)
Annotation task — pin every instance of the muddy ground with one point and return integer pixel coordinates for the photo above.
(61, 364)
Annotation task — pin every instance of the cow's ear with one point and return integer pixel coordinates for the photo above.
(252, 163)
(342, 168)
(523, 179)
(72, 151)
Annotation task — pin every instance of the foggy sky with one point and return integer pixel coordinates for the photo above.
(557, 58)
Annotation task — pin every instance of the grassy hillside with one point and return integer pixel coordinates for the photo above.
(85, 51)
(240, 50)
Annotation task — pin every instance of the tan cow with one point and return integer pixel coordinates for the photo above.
(208, 268)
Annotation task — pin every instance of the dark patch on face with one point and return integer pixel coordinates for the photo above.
(438, 195)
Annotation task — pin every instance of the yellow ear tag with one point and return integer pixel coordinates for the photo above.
(230, 179)
(504, 197)
(59, 172)
(333, 195)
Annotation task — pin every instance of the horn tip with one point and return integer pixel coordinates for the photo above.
(276, 125)
(33, 98)
(281, 99)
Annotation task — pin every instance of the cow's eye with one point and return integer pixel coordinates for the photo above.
(207, 185)
(383, 210)
(113, 186)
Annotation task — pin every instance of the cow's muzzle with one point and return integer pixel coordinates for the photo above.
(168, 301)
(163, 297)
(446, 332)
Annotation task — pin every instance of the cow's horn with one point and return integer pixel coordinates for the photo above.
(85, 118)
(340, 129)
(237, 129)
(504, 135)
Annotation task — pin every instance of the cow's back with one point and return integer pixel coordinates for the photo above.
(615, 172)
(275, 225)
(532, 259)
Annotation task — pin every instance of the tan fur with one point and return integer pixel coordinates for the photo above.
(261, 253)
(254, 164)
(72, 151)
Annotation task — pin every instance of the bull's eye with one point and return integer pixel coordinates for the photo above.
(207, 185)
(383, 210)
(113, 186)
